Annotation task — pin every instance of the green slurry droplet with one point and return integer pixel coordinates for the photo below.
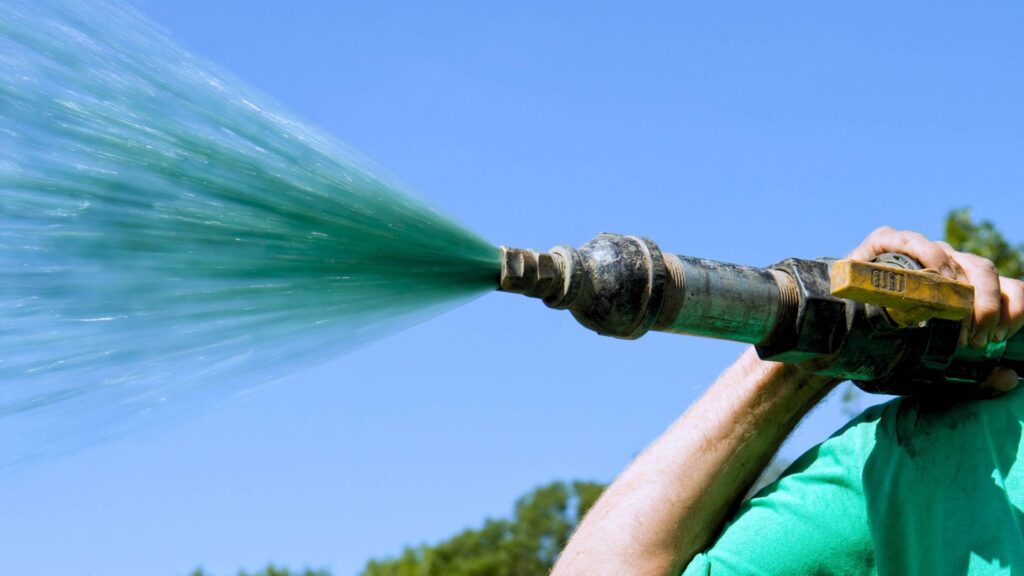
(168, 233)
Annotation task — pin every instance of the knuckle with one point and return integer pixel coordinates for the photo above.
(968, 257)
(951, 256)
(926, 250)
(917, 242)
(1014, 292)
(936, 253)
(978, 265)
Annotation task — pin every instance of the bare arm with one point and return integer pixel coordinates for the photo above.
(672, 500)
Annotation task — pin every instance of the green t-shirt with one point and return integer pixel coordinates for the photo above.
(908, 487)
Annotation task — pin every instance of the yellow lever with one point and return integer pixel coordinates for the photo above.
(909, 296)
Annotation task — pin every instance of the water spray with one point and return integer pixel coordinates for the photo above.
(170, 237)
(888, 325)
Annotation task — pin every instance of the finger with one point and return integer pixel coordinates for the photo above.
(867, 249)
(967, 323)
(988, 298)
(951, 254)
(927, 253)
(1001, 380)
(1011, 317)
(966, 329)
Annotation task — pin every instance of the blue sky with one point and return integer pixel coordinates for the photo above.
(745, 133)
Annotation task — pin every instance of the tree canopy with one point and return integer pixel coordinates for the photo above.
(982, 238)
(525, 545)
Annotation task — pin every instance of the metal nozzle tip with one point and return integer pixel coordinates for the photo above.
(520, 270)
(545, 275)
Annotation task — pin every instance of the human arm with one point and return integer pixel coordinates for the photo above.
(672, 500)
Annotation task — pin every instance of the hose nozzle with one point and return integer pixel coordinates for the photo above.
(612, 284)
(544, 275)
(526, 271)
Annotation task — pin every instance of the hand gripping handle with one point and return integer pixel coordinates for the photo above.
(909, 296)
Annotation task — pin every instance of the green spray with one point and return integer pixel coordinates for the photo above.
(168, 233)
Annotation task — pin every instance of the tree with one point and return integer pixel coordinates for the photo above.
(982, 238)
(526, 545)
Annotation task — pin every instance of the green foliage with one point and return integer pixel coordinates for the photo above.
(526, 545)
(982, 238)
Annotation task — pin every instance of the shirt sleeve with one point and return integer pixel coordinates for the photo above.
(811, 521)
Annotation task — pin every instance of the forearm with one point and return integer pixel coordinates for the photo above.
(673, 498)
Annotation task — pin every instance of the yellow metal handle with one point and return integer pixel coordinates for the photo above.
(909, 296)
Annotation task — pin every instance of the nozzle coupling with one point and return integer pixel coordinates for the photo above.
(545, 275)
(613, 284)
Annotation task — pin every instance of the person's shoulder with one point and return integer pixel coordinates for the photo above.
(922, 436)
(854, 440)
(903, 416)
(912, 425)
(911, 421)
